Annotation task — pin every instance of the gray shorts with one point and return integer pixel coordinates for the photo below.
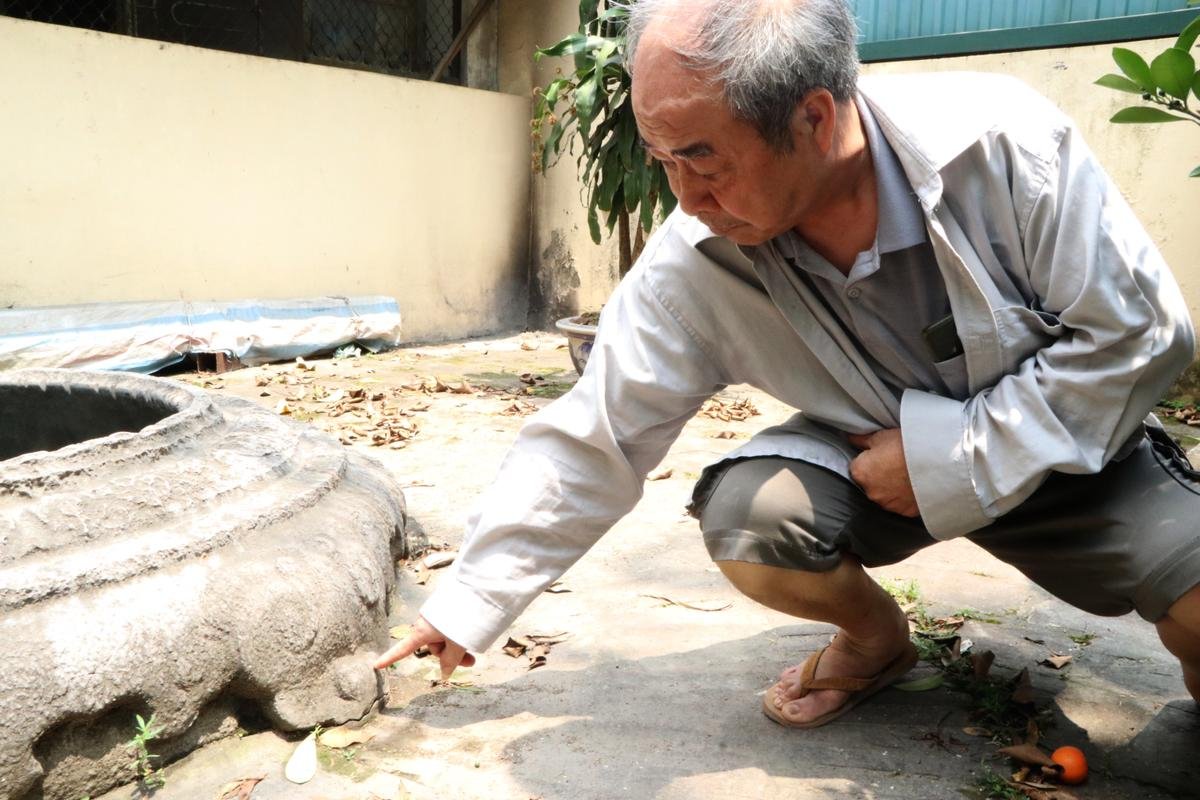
(1127, 538)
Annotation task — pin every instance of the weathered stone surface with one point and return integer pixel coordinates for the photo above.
(166, 552)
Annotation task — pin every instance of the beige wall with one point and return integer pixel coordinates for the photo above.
(136, 170)
(1149, 162)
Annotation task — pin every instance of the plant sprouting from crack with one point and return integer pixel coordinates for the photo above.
(991, 786)
(992, 701)
(147, 731)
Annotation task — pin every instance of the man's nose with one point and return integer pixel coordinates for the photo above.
(692, 193)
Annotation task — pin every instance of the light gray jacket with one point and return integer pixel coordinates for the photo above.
(1072, 328)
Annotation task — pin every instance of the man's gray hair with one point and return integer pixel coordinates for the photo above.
(765, 54)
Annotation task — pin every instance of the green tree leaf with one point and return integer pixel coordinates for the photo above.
(1172, 71)
(612, 175)
(1144, 114)
(569, 46)
(1189, 35)
(1135, 67)
(594, 224)
(588, 10)
(586, 99)
(550, 148)
(1196, 85)
(633, 185)
(1120, 83)
(1194, 173)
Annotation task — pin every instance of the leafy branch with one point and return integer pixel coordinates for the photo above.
(591, 108)
(1168, 83)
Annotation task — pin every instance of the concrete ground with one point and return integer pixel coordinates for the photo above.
(652, 700)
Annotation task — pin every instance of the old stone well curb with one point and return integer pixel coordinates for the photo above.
(165, 552)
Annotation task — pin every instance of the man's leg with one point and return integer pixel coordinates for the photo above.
(786, 534)
(1122, 540)
(872, 630)
(1180, 632)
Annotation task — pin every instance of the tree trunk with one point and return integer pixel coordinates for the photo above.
(639, 242)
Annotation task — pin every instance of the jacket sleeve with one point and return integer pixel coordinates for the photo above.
(1118, 332)
(578, 465)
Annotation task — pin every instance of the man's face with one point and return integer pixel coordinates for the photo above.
(721, 169)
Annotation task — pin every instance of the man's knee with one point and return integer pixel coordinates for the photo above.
(775, 511)
(1186, 610)
(759, 582)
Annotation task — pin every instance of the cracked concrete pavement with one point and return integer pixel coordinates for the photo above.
(650, 700)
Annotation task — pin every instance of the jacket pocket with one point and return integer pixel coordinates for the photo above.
(1023, 331)
(953, 372)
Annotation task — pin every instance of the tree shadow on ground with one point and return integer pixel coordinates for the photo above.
(690, 725)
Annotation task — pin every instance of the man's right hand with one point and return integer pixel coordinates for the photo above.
(449, 654)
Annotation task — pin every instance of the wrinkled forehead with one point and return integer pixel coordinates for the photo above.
(665, 81)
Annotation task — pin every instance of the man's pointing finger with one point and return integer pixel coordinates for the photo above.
(403, 649)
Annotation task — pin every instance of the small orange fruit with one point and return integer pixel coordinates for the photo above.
(1073, 763)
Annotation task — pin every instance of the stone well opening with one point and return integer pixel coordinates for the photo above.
(35, 418)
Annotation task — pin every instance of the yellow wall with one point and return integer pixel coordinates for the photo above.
(136, 170)
(1149, 162)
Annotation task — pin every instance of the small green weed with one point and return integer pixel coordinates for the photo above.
(991, 699)
(991, 786)
(978, 616)
(1082, 639)
(146, 732)
(903, 592)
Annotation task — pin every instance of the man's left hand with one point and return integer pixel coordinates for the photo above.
(881, 471)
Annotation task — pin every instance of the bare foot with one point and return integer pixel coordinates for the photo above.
(843, 658)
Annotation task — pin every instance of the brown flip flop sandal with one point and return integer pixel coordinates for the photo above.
(859, 688)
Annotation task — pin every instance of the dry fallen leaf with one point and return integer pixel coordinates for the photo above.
(342, 737)
(439, 559)
(1028, 754)
(303, 366)
(529, 345)
(725, 435)
(728, 411)
(302, 766)
(239, 790)
(982, 663)
(699, 605)
(262, 380)
(1032, 734)
(538, 655)
(518, 408)
(557, 588)
(535, 646)
(659, 474)
(283, 408)
(1056, 661)
(1023, 688)
(971, 730)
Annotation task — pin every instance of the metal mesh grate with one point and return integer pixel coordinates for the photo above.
(399, 37)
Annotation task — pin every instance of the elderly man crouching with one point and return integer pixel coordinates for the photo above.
(938, 274)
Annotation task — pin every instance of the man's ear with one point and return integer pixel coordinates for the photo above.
(815, 119)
